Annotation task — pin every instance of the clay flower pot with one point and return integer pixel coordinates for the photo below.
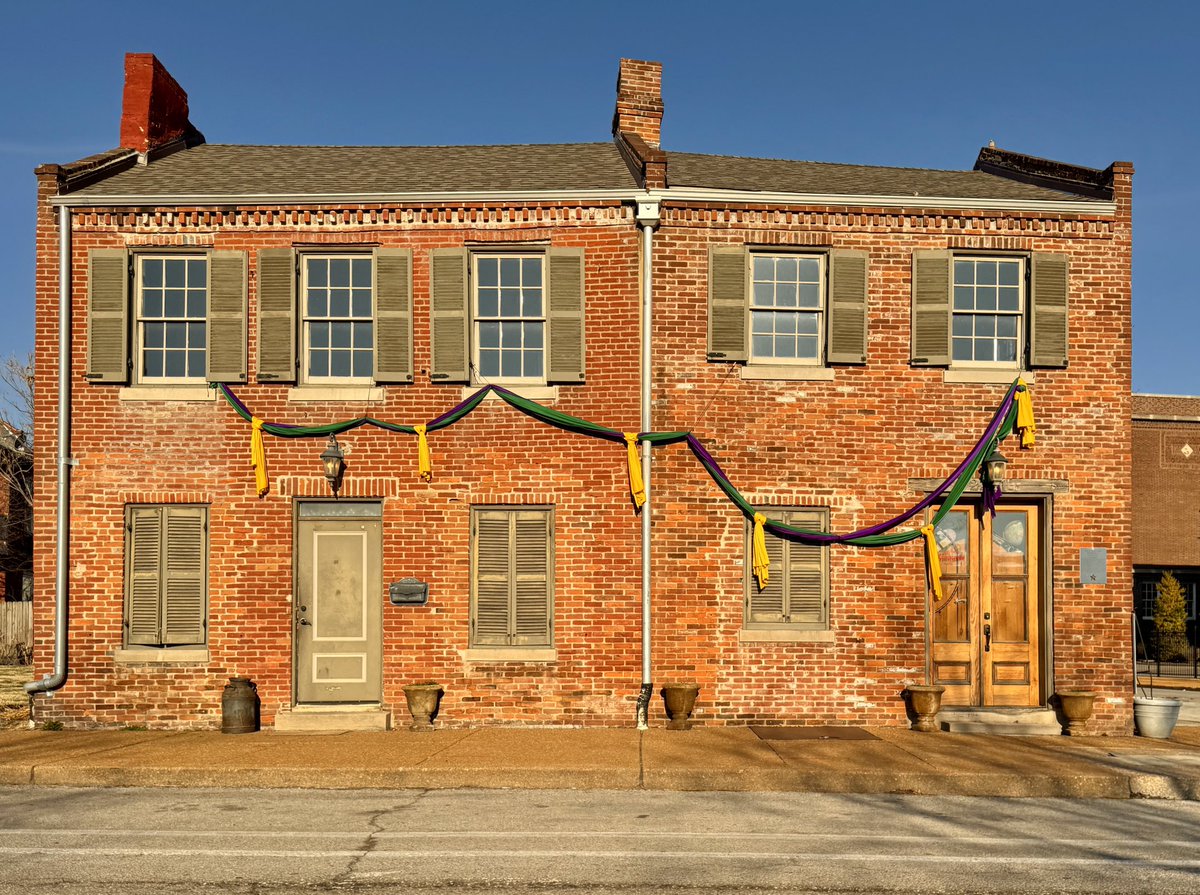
(925, 701)
(680, 700)
(423, 702)
(1074, 707)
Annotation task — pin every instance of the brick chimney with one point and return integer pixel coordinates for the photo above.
(154, 111)
(639, 101)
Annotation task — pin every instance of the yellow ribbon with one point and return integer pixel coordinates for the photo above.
(424, 464)
(637, 487)
(934, 561)
(1025, 414)
(258, 457)
(762, 560)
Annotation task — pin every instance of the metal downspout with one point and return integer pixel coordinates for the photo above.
(63, 451)
(648, 218)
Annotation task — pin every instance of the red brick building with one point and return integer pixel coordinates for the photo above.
(1166, 501)
(837, 336)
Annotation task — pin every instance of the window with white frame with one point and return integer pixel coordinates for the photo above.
(787, 301)
(988, 311)
(172, 318)
(338, 338)
(509, 316)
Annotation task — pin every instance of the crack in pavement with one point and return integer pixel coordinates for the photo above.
(346, 878)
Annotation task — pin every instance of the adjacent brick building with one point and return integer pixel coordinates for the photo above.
(1166, 500)
(837, 336)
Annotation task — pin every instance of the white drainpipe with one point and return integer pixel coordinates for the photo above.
(648, 218)
(61, 557)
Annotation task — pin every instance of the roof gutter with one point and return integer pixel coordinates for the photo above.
(1084, 207)
(62, 509)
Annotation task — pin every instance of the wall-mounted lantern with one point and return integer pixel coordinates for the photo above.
(994, 468)
(334, 462)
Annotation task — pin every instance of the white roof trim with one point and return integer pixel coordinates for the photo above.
(674, 194)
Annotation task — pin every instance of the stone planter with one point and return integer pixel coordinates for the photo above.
(680, 700)
(1155, 716)
(924, 702)
(423, 700)
(1074, 709)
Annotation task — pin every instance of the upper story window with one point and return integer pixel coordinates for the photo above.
(509, 318)
(335, 318)
(159, 318)
(338, 324)
(172, 315)
(787, 303)
(989, 301)
(777, 309)
(972, 312)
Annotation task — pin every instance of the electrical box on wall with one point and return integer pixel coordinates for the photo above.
(408, 592)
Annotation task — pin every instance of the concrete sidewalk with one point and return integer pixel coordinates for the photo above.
(886, 760)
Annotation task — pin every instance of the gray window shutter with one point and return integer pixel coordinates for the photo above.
(806, 574)
(532, 546)
(1048, 311)
(184, 575)
(143, 575)
(449, 316)
(108, 321)
(491, 578)
(931, 308)
(768, 605)
(846, 333)
(727, 303)
(564, 315)
(393, 315)
(276, 315)
(226, 317)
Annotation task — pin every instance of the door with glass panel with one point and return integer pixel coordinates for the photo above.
(339, 601)
(984, 631)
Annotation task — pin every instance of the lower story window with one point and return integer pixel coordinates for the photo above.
(796, 594)
(166, 575)
(512, 576)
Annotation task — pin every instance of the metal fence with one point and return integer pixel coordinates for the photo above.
(16, 633)
(1179, 663)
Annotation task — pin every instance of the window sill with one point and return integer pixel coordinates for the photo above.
(135, 656)
(787, 372)
(784, 635)
(511, 654)
(532, 392)
(193, 394)
(306, 393)
(985, 376)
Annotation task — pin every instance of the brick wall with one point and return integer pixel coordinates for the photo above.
(1166, 481)
(854, 444)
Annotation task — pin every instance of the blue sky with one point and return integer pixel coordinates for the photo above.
(919, 84)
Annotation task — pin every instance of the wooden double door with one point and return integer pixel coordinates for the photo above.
(985, 632)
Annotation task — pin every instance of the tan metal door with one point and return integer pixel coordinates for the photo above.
(985, 633)
(338, 611)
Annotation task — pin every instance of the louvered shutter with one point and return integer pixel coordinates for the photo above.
(492, 578)
(564, 316)
(531, 586)
(108, 316)
(276, 315)
(143, 575)
(767, 605)
(184, 575)
(846, 334)
(226, 353)
(393, 315)
(805, 579)
(727, 303)
(931, 308)
(449, 316)
(1048, 311)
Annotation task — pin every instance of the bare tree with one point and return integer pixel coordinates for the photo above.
(16, 475)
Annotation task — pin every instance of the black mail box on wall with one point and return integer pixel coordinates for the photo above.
(408, 591)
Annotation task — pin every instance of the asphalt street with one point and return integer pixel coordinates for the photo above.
(74, 841)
